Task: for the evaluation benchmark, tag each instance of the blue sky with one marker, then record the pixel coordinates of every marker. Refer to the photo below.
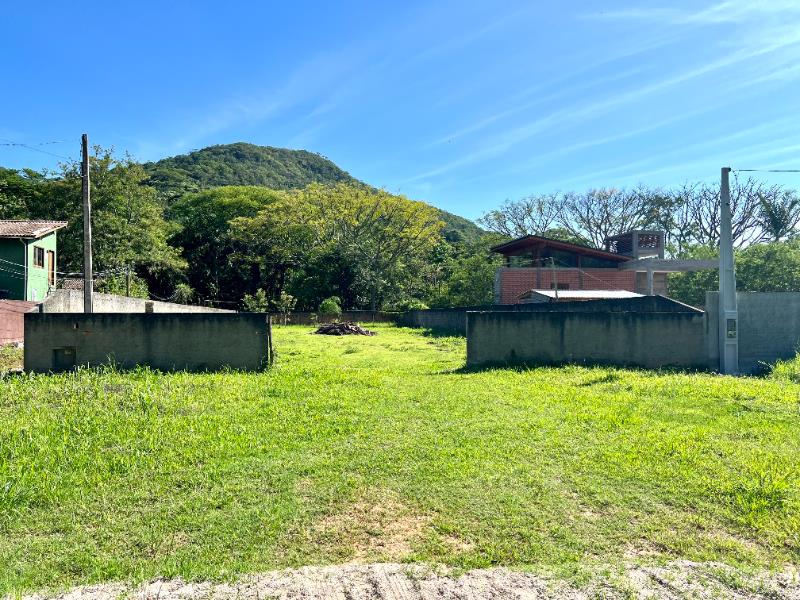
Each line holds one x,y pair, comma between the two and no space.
461,104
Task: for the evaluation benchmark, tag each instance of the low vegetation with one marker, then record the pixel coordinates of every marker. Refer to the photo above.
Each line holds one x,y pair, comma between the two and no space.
386,448
10,358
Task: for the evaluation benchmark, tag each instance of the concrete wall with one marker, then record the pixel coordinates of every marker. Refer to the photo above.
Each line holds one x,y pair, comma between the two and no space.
769,328
12,318
454,320
643,339
161,341
71,301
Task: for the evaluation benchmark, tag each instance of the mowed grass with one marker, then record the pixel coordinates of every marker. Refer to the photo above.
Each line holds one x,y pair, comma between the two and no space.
385,448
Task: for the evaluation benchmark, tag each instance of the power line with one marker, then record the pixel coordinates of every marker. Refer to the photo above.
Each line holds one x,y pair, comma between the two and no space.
766,170
34,148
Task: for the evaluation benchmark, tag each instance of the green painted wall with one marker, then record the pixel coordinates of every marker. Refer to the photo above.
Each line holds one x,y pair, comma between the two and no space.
37,276
12,268
12,259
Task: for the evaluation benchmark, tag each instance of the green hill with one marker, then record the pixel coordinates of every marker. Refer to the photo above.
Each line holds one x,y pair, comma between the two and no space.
275,168
243,164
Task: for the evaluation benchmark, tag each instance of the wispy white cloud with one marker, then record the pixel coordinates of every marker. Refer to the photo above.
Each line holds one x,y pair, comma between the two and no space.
783,39
720,150
542,99
729,11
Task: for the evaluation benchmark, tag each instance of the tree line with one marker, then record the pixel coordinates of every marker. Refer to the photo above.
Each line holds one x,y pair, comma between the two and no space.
249,246
765,221
689,214
277,249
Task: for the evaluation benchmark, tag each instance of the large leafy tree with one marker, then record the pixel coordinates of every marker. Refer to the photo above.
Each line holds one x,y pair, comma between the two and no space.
130,232
465,274
384,237
220,266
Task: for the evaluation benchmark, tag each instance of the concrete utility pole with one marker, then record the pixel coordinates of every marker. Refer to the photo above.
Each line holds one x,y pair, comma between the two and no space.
555,276
88,287
728,312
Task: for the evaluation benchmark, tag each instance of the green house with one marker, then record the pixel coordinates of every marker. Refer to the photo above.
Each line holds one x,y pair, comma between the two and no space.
28,259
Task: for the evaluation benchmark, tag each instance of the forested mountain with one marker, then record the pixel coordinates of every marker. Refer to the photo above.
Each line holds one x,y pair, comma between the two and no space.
243,164
275,168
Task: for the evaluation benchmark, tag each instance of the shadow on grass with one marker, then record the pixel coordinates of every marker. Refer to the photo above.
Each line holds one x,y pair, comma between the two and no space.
614,376
442,333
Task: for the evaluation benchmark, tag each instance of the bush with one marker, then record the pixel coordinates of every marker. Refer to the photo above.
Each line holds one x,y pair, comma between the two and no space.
183,293
257,302
407,304
118,285
330,307
787,370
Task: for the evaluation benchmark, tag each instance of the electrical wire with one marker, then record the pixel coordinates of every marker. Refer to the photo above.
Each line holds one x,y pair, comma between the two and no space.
766,170
34,148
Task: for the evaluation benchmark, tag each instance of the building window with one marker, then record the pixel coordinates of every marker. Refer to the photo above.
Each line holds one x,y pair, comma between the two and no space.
38,257
561,286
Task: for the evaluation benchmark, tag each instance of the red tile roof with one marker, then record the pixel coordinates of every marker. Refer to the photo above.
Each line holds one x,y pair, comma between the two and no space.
29,229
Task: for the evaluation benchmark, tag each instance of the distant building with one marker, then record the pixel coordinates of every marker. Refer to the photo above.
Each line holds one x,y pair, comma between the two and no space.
631,262
28,256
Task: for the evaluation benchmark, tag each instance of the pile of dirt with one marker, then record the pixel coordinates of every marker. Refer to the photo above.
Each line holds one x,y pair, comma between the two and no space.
343,329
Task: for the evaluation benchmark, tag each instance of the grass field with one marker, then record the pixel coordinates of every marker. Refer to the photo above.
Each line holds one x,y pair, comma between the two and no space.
385,448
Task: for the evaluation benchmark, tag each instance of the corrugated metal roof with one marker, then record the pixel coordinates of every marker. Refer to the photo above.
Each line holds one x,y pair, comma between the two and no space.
29,229
577,295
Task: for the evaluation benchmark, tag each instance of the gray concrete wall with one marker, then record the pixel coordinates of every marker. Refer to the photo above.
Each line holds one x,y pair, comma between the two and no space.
454,320
71,301
162,341
769,328
643,339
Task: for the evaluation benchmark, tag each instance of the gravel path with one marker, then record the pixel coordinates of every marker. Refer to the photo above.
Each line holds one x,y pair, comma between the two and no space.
681,579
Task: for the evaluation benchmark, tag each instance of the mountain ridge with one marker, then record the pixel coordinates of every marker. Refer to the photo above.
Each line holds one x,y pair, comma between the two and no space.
243,163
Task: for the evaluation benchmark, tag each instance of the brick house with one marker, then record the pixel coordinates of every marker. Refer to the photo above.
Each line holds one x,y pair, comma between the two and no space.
632,262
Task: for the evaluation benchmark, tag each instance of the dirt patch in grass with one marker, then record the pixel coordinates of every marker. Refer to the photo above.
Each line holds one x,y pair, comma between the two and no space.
376,526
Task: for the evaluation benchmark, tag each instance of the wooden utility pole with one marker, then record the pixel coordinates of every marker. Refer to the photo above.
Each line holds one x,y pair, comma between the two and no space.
88,287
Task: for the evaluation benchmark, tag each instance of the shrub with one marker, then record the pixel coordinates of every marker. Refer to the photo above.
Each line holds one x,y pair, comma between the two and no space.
330,307
407,304
183,293
787,370
257,302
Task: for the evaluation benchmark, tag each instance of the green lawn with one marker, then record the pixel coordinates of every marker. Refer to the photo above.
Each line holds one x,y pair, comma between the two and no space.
384,448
